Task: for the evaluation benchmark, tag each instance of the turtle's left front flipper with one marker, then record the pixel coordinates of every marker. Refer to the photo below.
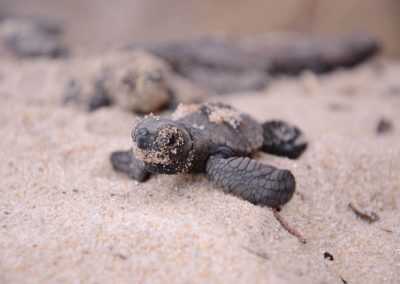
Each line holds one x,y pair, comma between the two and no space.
251,180
100,97
126,162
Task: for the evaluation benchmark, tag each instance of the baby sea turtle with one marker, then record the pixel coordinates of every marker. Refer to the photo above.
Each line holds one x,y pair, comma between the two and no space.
216,139
136,81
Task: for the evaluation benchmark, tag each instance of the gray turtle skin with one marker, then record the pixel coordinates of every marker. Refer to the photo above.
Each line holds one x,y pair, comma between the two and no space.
215,139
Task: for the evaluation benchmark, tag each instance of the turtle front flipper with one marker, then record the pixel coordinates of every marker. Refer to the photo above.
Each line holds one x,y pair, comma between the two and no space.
283,139
125,161
97,101
251,180
100,97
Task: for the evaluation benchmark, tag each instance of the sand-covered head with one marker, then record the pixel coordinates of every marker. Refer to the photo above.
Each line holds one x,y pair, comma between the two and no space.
164,145
141,86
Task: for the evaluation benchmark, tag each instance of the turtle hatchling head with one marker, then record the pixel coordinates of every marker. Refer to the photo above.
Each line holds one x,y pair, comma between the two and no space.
143,90
164,145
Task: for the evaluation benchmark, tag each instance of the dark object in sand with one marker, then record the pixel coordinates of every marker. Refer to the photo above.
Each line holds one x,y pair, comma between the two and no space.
230,65
369,217
288,228
216,139
27,38
328,256
257,253
384,126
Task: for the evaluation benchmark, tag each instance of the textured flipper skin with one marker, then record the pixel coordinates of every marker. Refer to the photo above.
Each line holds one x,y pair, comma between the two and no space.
251,180
125,161
283,139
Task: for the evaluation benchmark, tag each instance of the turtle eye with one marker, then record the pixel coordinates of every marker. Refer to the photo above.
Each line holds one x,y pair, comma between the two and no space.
129,81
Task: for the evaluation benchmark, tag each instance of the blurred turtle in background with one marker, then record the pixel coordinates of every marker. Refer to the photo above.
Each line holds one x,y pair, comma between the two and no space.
135,81
227,65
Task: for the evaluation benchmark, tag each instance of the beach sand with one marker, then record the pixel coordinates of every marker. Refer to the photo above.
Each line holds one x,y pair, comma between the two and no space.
67,217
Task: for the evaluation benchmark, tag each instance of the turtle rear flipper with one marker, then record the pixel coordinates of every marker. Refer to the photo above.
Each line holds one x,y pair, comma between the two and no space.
126,162
251,180
283,139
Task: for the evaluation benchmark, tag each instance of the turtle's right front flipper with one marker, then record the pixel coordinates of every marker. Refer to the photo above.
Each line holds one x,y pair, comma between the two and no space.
251,180
125,161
